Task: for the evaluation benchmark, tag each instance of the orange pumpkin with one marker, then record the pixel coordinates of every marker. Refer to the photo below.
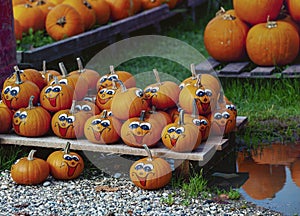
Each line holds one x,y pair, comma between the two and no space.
102,11
30,170
32,121
159,116
264,46
105,95
65,165
48,74
44,6
138,130
18,30
293,7
225,38
63,21
150,173
87,107
181,136
5,118
16,95
162,95
121,9
128,103
257,11
148,4
69,124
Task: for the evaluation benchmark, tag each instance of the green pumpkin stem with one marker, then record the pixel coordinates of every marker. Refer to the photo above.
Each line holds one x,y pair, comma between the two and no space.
157,78
30,155
150,158
18,75
104,114
67,148
181,117
80,66
72,109
63,69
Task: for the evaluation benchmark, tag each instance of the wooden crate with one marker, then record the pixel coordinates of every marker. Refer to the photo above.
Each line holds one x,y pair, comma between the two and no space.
247,69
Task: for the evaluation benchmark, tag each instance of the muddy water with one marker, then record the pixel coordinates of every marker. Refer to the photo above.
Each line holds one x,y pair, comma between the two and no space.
274,177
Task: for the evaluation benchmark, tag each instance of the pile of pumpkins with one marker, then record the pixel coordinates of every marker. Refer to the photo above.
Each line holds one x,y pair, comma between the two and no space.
66,18
266,32
181,116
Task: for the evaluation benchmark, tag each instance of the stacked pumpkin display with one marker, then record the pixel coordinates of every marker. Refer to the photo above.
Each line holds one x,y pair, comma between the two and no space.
268,37
66,18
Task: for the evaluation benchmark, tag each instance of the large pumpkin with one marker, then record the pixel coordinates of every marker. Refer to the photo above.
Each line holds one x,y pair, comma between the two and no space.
265,47
65,165
5,118
63,21
32,121
150,173
225,37
30,170
162,95
257,11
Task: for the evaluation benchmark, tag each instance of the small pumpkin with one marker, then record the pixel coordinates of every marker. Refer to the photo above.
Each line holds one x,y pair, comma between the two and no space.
48,74
69,124
5,118
181,136
65,165
16,95
102,128
30,170
87,107
121,9
138,130
63,21
162,95
128,103
55,97
105,95
102,11
32,121
150,173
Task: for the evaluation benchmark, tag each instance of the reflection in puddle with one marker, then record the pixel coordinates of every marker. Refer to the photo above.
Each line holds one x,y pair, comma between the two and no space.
274,176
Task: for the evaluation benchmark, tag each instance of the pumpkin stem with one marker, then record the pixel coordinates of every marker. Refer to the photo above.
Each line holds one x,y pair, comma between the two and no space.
67,148
221,97
44,67
30,155
87,4
30,102
228,17
142,115
221,11
123,87
112,69
104,114
62,69
193,70
150,158
198,82
152,1
114,86
61,21
271,24
18,75
195,109
55,80
181,117
80,66
157,78
72,109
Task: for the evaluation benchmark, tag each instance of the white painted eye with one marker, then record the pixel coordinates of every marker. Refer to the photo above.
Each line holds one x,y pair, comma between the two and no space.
134,125
14,91
181,86
110,92
217,116
139,166
7,89
78,107
200,92
145,126
208,92
56,88
139,93
71,119
180,130
197,122
171,129
103,79
154,90
86,107
105,123
96,121
113,77
226,115
148,167
23,115
63,117
147,90
63,81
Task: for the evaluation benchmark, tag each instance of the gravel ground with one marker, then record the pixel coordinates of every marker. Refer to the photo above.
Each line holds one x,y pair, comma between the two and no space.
101,194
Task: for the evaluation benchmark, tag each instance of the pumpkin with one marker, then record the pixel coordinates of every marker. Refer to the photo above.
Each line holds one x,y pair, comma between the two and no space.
68,124
162,95
159,116
55,97
30,170
16,95
138,130
29,17
264,43
17,2
150,173
181,136
87,108
44,6
85,10
91,76
102,129
223,102
65,165
128,103
48,74
105,95
148,4
5,118
106,80
32,121
102,11
63,21
173,112
206,99
293,7
121,9
18,30
257,11
56,2
225,38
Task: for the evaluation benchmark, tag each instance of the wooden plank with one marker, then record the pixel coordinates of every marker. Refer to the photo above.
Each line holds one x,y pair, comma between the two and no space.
207,66
234,68
262,71
292,71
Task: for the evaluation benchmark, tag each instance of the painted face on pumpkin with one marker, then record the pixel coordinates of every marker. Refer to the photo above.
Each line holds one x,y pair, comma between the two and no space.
151,92
64,123
203,126
174,134
139,130
107,80
72,162
51,94
143,171
89,99
9,94
104,96
98,126
232,108
19,119
223,120
203,98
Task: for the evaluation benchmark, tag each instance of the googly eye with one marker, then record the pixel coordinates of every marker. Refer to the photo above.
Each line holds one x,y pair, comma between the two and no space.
180,130
139,93
96,122
134,125
62,117
217,116
200,93
148,167
171,129
105,123
139,166
145,126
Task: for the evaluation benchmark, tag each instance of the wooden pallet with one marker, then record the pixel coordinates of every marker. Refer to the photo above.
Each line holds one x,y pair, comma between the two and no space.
247,70
202,154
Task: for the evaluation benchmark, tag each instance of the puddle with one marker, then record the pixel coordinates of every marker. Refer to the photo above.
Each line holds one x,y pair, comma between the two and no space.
274,177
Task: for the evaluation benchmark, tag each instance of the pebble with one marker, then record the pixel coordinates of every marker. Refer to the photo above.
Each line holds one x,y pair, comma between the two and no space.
80,197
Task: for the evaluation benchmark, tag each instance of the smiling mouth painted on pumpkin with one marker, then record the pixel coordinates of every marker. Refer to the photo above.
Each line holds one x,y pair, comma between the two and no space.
138,139
97,133
71,170
63,131
17,128
143,180
104,101
52,101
